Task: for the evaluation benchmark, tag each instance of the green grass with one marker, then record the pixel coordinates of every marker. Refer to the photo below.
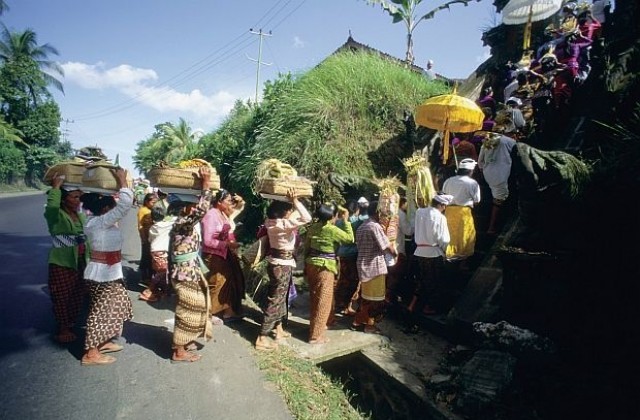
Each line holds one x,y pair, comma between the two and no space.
308,392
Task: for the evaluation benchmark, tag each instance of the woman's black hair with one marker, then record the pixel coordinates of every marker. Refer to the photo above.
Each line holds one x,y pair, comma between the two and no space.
158,213
148,197
96,203
373,209
278,209
220,195
176,207
326,212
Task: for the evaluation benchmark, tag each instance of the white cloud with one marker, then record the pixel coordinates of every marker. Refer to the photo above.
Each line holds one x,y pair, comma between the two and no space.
135,83
298,42
96,76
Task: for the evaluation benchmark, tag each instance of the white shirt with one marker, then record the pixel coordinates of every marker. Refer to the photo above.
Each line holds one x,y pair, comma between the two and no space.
103,234
431,229
159,235
495,163
464,189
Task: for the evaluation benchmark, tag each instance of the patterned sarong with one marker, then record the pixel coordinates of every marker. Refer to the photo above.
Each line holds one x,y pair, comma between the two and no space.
462,231
275,307
110,308
321,293
192,318
226,282
67,290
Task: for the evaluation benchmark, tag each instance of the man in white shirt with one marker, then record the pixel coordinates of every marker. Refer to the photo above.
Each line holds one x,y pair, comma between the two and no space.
466,194
432,238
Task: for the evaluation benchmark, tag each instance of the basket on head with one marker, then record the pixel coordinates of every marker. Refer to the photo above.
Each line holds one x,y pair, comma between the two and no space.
186,177
280,186
72,172
101,175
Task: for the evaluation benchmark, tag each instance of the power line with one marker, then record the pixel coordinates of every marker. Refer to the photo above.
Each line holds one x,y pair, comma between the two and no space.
259,60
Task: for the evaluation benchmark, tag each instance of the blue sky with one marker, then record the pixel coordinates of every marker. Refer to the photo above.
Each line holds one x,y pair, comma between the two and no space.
132,64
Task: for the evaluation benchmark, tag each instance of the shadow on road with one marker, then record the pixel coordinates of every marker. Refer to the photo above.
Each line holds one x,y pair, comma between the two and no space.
151,337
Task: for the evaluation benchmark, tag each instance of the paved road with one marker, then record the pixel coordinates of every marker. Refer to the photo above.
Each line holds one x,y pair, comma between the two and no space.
42,380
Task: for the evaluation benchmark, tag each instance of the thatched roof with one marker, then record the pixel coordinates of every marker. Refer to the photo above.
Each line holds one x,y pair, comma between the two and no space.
353,45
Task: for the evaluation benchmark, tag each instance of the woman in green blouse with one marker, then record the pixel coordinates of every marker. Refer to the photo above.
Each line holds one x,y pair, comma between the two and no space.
321,242
67,258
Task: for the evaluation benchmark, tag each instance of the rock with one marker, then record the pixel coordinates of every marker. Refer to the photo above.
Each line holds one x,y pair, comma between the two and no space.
482,381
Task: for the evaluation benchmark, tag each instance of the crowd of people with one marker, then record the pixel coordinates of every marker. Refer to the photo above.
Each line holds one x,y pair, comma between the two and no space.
189,250
537,90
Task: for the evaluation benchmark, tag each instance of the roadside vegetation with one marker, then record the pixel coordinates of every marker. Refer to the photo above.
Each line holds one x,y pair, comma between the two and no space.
309,393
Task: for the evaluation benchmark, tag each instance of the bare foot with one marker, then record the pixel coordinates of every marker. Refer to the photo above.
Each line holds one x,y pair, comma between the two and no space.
263,343
185,357
321,340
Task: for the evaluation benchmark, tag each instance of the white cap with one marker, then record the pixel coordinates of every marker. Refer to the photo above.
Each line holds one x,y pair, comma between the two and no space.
430,62
445,199
363,200
467,164
517,101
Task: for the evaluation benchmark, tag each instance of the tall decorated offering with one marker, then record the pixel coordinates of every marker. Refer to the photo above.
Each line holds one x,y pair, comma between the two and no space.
388,208
420,188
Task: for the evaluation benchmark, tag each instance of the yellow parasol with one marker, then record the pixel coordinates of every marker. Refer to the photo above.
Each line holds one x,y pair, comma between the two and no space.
447,113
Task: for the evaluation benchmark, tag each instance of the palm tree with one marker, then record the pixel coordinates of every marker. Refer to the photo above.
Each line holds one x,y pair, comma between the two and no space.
16,46
179,139
406,11
10,133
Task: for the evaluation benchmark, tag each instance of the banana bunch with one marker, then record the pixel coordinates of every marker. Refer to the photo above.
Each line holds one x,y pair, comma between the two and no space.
193,163
273,168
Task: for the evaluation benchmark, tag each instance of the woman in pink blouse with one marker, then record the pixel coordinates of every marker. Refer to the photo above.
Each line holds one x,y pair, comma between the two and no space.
226,281
282,225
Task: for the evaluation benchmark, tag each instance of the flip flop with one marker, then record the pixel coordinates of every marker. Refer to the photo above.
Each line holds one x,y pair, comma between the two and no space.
103,360
323,340
193,357
111,348
216,320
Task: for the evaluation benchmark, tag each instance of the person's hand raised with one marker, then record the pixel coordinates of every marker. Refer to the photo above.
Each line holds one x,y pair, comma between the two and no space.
57,180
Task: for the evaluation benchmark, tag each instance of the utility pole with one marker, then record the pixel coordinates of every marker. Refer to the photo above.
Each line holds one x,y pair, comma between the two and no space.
259,60
66,131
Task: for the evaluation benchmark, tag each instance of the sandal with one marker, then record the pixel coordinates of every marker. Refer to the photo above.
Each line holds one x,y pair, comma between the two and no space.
216,320
357,327
189,358
110,348
102,360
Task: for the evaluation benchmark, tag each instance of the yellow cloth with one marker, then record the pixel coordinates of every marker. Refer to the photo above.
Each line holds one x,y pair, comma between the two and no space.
462,232
374,289
144,223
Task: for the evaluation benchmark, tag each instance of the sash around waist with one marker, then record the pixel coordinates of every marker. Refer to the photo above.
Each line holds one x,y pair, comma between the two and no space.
280,254
314,253
106,257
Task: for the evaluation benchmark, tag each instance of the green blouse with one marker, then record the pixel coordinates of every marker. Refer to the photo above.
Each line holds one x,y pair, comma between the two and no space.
325,238
60,223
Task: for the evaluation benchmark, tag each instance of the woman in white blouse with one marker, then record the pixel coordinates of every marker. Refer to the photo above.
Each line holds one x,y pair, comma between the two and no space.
110,304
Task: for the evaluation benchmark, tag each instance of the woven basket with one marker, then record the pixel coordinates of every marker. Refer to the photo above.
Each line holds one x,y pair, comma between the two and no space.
102,175
188,178
280,186
72,172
